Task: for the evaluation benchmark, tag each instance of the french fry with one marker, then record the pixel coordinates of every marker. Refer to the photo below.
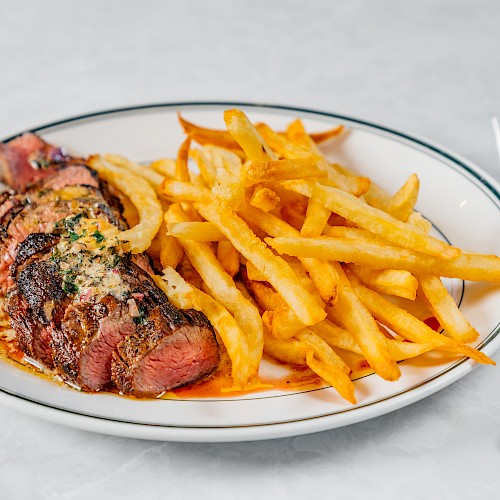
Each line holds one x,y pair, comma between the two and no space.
441,304
264,198
469,266
409,327
143,197
206,167
397,282
247,136
185,296
181,163
380,223
401,205
171,252
229,257
143,171
275,269
203,136
197,231
322,273
279,170
281,145
222,288
164,166
317,217
350,313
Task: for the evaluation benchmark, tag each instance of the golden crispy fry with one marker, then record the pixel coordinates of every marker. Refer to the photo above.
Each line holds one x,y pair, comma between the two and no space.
409,327
401,205
297,134
280,144
228,183
185,191
203,136
247,136
164,166
143,171
333,376
355,317
229,257
253,273
338,337
205,166
417,220
336,175
264,198
380,223
143,197
283,322
222,288
396,282
321,137
171,252
317,217
322,273
469,266
197,231
279,170
185,296
444,308
288,351
274,268
181,164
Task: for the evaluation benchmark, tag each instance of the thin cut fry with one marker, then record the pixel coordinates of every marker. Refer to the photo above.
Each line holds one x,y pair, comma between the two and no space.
275,269
322,273
396,282
229,257
445,309
197,231
353,315
203,136
380,223
411,328
247,136
181,164
142,195
469,266
265,199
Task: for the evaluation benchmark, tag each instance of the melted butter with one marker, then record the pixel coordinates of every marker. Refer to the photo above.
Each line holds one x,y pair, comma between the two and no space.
87,256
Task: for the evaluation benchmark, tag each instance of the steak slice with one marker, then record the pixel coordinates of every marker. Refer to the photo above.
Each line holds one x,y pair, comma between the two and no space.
151,362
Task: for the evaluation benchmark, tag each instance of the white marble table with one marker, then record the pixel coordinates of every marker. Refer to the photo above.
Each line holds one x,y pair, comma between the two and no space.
429,68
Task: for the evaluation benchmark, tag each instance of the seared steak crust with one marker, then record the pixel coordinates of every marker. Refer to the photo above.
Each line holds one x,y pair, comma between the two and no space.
79,304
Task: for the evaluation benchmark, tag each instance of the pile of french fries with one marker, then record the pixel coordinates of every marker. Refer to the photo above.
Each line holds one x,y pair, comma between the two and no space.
290,255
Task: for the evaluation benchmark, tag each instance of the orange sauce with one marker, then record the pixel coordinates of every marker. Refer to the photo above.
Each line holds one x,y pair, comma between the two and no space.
219,385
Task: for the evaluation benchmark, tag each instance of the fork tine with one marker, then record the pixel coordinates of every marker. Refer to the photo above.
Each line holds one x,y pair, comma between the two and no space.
496,131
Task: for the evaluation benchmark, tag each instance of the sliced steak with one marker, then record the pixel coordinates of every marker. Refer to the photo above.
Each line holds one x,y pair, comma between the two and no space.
152,361
76,301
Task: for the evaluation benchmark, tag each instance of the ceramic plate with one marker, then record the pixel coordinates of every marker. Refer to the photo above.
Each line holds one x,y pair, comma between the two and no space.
462,202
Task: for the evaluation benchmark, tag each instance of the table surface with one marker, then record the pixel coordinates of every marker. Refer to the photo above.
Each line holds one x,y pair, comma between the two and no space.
428,68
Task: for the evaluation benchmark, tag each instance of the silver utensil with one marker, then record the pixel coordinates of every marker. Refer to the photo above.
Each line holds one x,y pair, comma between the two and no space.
496,132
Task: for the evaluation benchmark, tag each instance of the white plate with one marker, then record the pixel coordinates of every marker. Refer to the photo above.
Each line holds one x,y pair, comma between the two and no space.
461,200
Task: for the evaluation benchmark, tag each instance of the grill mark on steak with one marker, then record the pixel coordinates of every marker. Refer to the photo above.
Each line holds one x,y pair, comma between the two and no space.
95,315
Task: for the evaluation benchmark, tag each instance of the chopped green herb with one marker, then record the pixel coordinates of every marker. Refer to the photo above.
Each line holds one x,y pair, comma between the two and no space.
70,287
73,236
99,237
